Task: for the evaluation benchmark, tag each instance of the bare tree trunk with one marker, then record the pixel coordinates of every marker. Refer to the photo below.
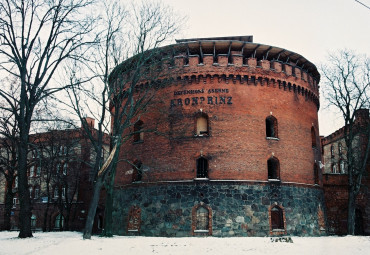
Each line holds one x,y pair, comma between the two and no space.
23,191
351,211
92,208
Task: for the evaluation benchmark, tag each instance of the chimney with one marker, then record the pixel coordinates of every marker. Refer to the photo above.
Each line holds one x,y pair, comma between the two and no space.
90,122
362,116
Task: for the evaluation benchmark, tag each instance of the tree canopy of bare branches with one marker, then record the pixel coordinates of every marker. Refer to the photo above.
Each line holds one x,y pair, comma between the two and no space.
36,37
346,86
126,31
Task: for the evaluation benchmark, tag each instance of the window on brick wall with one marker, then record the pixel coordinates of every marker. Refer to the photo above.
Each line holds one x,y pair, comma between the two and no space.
332,151
37,192
316,173
340,149
59,221
202,125
33,221
138,131
271,127
31,191
273,168
277,218
334,168
342,166
202,167
137,173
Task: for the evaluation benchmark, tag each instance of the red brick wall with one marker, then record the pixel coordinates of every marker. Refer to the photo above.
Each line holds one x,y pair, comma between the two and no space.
237,147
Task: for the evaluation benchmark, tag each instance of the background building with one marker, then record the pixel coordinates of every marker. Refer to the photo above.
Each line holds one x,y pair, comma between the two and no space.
60,181
336,179
238,152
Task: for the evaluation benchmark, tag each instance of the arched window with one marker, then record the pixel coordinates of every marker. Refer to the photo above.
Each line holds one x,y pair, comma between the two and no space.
332,151
134,219
202,219
313,137
273,167
33,221
202,167
36,192
202,215
138,131
334,169
31,191
137,173
59,221
271,127
340,149
277,218
341,166
202,125
316,173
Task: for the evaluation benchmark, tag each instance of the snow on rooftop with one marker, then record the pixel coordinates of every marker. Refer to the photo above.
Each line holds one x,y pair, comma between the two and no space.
71,243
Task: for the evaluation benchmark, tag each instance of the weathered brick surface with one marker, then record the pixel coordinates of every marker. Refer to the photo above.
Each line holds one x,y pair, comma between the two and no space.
237,93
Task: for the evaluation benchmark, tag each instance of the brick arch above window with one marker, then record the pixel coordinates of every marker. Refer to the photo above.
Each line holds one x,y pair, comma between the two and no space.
201,219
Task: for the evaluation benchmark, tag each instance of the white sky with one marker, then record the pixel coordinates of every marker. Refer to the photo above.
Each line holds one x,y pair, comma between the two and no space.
310,28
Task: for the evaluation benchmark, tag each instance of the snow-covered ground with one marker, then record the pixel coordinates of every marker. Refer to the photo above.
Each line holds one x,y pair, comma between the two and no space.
70,243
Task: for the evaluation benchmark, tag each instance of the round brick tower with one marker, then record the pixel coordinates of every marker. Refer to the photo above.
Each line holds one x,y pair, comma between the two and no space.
235,151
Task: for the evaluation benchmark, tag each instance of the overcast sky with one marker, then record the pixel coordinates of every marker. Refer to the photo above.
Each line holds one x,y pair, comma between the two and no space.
311,28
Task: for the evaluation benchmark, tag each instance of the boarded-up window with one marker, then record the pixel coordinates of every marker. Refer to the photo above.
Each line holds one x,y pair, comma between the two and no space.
134,219
202,125
277,220
202,218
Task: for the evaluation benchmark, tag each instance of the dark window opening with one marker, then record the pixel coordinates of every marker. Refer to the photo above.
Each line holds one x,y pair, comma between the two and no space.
202,168
138,133
271,127
273,168
202,219
340,149
316,173
313,137
277,220
137,172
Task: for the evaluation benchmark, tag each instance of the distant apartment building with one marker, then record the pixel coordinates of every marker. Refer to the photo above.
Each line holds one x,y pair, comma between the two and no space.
60,181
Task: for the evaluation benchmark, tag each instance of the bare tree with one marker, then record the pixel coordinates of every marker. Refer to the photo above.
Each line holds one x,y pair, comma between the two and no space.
136,31
36,37
346,86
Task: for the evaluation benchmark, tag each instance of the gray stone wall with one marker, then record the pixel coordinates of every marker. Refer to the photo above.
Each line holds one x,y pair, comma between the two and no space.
238,209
